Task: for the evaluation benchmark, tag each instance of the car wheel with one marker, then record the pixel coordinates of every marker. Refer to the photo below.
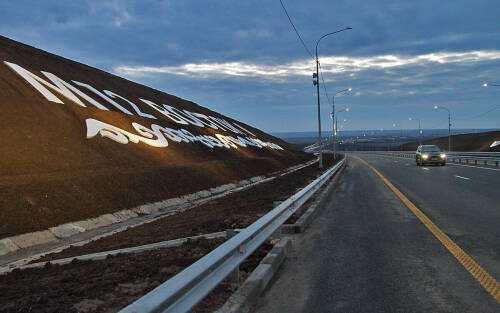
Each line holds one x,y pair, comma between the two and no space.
443,164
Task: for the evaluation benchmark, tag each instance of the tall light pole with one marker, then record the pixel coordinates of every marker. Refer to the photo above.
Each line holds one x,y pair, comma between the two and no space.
419,129
449,124
333,118
400,141
316,82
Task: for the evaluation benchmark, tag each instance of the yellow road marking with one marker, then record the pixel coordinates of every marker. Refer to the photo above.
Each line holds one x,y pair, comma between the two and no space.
489,283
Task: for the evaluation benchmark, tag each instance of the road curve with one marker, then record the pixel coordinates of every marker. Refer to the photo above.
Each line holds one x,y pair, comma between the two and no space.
368,252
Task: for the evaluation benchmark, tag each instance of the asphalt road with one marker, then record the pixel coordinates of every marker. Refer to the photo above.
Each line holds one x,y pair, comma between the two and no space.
368,252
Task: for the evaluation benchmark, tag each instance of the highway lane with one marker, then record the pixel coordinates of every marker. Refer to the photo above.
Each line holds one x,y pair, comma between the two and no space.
367,252
463,201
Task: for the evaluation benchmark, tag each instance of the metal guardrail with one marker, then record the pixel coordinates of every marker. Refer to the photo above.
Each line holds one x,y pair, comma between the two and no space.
183,291
486,158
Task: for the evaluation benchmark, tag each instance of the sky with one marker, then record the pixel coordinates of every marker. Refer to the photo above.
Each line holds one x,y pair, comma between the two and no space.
244,60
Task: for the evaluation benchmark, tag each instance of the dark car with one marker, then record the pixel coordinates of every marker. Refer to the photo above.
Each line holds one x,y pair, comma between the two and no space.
430,154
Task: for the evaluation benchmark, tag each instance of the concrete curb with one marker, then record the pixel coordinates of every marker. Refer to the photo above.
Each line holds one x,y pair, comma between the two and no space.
247,295
7,246
305,220
30,239
138,249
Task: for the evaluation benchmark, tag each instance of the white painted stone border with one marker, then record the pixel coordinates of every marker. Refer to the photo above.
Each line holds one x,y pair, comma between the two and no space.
56,233
138,249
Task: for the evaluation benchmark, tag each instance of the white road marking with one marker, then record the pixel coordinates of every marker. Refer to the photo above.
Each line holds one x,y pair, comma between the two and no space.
425,168
461,177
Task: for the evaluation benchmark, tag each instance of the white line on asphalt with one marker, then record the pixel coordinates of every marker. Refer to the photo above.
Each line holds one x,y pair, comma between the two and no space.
461,177
425,168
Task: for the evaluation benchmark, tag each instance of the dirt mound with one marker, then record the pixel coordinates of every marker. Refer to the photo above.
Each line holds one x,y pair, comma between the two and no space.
78,142
473,142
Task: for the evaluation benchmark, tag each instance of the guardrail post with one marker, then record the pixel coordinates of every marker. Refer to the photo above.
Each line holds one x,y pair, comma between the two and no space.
234,276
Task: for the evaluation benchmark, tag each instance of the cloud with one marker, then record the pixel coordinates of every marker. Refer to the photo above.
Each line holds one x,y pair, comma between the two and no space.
329,64
112,11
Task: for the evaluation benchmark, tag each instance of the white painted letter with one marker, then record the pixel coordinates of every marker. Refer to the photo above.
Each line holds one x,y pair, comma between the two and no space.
60,86
165,112
100,94
133,105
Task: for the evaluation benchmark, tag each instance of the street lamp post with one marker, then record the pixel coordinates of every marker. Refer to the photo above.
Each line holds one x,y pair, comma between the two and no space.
316,82
400,141
335,131
419,129
333,119
449,124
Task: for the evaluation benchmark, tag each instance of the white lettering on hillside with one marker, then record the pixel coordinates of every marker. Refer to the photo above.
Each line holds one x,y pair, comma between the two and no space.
100,94
157,135
133,105
162,110
61,87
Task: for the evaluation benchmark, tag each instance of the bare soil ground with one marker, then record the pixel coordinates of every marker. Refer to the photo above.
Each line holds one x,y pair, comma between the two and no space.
50,173
111,284
237,210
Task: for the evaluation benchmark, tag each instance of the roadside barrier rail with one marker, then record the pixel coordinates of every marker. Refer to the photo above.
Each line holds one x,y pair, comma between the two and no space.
183,291
485,158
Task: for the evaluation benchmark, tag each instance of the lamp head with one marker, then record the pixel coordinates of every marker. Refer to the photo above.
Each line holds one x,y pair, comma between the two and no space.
485,85
347,109
435,107
393,124
349,89
409,118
